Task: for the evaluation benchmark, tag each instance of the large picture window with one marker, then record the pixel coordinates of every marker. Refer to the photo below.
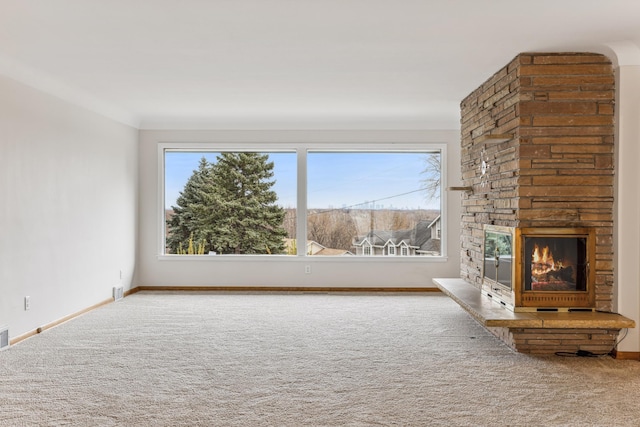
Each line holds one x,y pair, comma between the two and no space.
241,203
371,203
301,201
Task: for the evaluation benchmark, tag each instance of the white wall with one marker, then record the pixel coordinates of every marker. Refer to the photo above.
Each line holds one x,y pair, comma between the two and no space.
68,191
288,271
627,213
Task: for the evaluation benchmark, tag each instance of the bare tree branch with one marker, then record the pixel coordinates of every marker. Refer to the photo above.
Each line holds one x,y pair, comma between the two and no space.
432,176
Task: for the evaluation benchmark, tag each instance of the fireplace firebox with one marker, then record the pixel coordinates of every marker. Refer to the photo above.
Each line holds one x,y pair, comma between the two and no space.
539,269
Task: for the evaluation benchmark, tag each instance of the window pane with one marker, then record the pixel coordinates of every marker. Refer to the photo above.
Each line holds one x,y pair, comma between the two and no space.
220,203
363,203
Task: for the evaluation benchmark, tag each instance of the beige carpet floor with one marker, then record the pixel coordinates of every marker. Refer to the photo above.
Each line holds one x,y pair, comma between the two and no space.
226,359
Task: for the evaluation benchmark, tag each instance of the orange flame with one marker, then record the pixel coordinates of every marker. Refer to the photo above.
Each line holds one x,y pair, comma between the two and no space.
542,261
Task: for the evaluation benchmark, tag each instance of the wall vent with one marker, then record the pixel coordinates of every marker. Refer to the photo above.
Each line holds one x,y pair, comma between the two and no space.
118,293
4,337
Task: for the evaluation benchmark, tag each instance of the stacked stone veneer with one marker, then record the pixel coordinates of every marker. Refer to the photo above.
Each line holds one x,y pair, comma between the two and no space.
549,341
556,171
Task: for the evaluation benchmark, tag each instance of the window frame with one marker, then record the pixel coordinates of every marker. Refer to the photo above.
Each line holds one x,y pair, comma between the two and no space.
367,250
391,249
301,150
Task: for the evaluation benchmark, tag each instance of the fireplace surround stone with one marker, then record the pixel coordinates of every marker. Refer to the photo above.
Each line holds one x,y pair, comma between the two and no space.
537,151
556,170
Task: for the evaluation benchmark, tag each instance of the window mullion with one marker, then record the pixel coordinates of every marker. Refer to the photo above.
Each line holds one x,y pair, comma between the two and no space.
301,211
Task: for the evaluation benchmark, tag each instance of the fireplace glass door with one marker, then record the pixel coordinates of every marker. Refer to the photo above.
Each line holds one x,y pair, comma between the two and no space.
556,267
555,264
498,257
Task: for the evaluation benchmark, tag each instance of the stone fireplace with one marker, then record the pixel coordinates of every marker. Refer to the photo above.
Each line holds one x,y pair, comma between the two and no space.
537,149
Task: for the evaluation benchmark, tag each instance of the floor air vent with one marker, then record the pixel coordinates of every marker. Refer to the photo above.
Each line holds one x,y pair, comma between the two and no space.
4,337
118,293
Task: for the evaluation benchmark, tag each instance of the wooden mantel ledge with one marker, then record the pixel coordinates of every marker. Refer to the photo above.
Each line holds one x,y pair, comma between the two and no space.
491,314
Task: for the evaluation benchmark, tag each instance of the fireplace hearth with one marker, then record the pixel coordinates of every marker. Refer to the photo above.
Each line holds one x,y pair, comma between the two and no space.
539,269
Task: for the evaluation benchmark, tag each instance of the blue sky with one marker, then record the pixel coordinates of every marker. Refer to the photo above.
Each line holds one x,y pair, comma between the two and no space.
334,180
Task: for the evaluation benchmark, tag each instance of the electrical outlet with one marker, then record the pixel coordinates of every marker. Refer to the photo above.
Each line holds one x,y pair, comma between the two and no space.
307,269
27,303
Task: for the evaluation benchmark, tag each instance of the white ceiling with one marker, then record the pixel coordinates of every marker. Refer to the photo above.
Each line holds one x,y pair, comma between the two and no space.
289,64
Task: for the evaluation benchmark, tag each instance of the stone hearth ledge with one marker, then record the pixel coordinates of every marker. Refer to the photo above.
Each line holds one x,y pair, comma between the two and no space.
491,314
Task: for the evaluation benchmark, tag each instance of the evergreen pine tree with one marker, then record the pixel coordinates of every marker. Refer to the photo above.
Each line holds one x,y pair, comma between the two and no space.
185,224
244,217
229,205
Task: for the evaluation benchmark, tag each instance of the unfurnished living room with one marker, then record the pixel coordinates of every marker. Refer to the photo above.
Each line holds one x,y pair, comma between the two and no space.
323,213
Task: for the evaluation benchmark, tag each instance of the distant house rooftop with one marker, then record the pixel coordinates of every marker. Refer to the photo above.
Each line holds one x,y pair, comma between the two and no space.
315,248
423,239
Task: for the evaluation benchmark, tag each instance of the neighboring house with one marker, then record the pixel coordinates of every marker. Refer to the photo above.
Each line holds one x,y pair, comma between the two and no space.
321,250
314,248
431,246
422,240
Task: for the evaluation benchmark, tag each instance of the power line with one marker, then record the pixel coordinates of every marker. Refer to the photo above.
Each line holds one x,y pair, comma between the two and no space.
372,201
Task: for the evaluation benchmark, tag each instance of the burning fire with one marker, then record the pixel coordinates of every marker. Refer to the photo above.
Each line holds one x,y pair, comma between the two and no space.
542,261
549,274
